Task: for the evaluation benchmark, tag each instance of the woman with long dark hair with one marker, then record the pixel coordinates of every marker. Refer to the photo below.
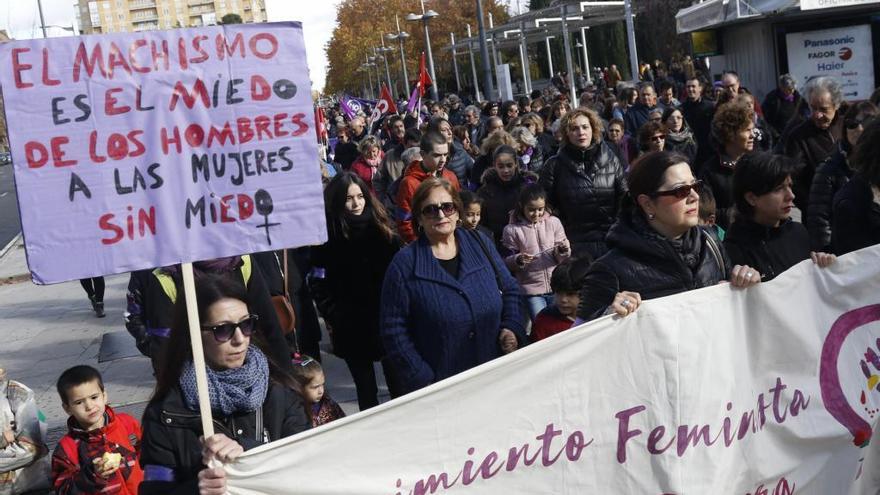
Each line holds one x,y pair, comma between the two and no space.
347,279
656,247
252,401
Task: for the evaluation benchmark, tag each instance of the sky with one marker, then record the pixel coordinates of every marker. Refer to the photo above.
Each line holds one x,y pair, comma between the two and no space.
318,18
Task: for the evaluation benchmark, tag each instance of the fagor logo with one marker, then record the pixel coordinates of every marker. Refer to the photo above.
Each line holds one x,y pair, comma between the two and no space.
845,53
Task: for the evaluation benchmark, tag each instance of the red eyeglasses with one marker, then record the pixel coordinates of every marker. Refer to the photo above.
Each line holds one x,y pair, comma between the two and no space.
682,192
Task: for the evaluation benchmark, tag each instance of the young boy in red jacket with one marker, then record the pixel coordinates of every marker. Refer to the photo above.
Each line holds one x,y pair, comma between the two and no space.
565,281
99,454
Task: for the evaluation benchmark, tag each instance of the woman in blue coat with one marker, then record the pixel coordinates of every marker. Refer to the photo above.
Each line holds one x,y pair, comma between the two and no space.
448,301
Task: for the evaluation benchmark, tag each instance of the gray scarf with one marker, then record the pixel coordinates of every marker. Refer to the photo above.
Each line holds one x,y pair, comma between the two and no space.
241,389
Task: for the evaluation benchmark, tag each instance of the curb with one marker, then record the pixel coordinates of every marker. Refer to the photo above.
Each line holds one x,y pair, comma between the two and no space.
9,245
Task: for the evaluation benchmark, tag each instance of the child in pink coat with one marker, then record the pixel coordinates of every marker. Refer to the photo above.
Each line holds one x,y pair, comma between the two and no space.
537,243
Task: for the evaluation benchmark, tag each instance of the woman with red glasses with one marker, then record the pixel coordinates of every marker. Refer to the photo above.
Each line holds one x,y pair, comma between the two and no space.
656,246
252,398
448,301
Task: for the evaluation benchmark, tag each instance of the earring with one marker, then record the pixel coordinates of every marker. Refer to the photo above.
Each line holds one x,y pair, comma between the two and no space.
651,216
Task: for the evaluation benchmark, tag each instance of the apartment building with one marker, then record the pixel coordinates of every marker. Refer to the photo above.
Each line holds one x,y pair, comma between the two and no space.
112,16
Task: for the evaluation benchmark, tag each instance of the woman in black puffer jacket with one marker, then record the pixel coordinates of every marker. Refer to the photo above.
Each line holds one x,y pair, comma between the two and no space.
657,249
584,182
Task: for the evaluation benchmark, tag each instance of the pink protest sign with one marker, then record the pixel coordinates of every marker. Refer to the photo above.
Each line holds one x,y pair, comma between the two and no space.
147,149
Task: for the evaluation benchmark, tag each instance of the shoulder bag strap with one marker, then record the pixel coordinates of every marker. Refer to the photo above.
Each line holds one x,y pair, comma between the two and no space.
716,253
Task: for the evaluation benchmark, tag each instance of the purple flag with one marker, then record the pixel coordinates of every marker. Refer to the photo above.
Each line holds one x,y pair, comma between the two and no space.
413,99
343,105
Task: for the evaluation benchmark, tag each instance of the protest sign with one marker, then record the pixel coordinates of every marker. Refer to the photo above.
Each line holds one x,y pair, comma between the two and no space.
772,390
148,149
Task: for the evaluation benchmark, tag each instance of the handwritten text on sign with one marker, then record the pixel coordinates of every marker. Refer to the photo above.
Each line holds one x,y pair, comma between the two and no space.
140,150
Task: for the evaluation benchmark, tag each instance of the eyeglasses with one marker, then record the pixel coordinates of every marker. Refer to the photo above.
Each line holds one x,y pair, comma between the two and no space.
224,331
658,137
433,211
855,123
682,192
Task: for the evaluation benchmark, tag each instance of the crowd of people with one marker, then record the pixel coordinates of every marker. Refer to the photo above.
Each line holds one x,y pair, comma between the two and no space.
463,231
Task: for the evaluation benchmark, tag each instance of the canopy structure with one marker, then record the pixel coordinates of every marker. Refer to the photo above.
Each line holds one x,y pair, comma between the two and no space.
541,25
712,14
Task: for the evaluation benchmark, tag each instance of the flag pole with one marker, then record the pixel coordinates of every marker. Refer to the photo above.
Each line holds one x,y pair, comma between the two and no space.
195,335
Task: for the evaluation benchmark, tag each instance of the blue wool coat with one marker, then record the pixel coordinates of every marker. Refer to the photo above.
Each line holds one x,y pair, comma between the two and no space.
434,326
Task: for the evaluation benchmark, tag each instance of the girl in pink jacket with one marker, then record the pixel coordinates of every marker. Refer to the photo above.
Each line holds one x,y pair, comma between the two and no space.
537,243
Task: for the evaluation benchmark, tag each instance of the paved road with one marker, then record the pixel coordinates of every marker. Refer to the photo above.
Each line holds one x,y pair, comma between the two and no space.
10,225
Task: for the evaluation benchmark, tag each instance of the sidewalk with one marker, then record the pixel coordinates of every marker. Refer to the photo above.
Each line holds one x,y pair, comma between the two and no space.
48,329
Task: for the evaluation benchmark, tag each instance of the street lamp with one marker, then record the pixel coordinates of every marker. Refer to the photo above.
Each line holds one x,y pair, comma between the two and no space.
374,62
426,16
384,50
401,36
578,45
71,29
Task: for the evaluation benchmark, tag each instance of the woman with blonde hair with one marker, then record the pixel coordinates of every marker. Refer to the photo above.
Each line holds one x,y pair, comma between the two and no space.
584,182
366,166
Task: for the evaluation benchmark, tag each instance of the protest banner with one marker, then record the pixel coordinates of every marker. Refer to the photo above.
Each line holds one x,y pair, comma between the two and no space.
772,390
148,149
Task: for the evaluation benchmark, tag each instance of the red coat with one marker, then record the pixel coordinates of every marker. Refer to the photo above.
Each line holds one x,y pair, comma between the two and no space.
365,171
72,468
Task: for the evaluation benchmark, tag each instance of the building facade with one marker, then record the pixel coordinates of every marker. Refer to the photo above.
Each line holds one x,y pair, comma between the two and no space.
113,16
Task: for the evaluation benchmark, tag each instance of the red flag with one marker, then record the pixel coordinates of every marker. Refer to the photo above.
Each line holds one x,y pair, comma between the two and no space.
320,124
384,105
386,95
424,78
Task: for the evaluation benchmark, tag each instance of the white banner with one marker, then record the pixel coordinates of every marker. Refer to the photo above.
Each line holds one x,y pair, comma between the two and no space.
846,53
770,390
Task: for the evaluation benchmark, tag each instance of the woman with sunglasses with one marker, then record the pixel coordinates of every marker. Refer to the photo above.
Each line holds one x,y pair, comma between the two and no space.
764,235
652,137
733,129
834,173
346,279
448,301
252,398
656,246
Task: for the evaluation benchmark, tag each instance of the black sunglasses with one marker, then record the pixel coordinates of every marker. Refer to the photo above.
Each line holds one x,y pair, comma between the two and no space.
224,331
433,211
682,192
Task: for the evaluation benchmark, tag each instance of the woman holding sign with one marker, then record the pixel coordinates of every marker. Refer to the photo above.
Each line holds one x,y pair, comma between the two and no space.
252,401
656,247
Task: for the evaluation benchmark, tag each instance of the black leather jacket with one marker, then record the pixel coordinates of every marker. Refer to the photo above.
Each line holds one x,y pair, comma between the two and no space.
585,188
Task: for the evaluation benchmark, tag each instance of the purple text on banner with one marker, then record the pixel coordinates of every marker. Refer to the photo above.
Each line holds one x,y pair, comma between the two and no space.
147,149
